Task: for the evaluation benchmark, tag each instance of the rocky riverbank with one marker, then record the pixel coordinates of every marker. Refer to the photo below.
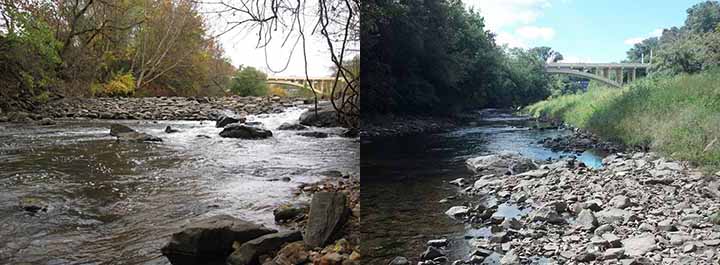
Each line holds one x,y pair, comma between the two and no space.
152,108
325,232
639,208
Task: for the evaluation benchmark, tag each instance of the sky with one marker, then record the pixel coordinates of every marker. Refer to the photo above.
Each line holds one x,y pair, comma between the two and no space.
279,58
591,31
241,47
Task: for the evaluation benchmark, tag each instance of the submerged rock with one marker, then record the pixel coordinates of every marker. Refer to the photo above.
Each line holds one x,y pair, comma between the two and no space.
210,239
399,261
245,132
292,127
328,212
170,130
117,129
33,205
314,134
125,133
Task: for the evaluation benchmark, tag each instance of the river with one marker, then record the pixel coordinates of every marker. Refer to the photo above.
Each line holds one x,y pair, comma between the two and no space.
115,202
404,178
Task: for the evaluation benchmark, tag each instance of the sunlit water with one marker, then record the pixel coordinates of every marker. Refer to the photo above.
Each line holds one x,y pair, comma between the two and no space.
117,203
404,178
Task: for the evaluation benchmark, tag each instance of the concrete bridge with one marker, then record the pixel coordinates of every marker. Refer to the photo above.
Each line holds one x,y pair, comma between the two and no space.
624,72
321,85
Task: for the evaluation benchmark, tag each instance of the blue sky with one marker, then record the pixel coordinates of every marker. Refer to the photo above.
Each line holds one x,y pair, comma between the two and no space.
582,30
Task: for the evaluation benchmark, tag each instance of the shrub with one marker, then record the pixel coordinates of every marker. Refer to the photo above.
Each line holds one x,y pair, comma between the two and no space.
121,85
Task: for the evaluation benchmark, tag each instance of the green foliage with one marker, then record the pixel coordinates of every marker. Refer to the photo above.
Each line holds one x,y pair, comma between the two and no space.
703,17
641,50
546,54
28,58
691,48
121,85
249,81
676,115
437,57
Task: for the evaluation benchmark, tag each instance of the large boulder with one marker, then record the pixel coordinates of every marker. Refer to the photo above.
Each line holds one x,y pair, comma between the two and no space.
211,239
249,251
245,132
506,162
225,120
325,117
328,212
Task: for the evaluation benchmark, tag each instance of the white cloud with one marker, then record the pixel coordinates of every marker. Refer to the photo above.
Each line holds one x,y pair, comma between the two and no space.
533,32
503,13
512,20
509,39
522,35
635,40
656,33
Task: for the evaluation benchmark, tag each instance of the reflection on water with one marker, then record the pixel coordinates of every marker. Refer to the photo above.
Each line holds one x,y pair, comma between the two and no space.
405,178
116,202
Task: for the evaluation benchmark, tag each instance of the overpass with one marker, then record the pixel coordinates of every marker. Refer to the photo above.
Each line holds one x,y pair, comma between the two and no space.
321,85
600,71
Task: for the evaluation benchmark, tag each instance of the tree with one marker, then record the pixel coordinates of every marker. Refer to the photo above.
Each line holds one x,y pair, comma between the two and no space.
546,54
249,81
641,50
703,17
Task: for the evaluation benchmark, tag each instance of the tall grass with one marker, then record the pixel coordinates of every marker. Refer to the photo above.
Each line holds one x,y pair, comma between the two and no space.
678,116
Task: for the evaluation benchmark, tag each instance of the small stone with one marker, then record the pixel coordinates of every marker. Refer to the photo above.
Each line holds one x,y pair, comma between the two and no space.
457,211
399,261
511,223
438,243
432,253
585,257
586,220
510,258
639,245
612,239
604,229
689,248
666,225
620,201
458,181
645,227
613,253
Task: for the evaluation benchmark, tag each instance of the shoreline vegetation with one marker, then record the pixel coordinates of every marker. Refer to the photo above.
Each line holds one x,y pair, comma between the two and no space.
674,115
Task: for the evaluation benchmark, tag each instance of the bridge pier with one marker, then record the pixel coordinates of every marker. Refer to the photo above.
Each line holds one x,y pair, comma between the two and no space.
633,74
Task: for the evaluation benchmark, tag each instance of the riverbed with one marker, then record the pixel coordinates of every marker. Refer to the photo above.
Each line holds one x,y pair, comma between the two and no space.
111,202
404,179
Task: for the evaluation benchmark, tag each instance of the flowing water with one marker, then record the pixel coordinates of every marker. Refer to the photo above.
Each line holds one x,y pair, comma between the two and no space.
115,202
404,178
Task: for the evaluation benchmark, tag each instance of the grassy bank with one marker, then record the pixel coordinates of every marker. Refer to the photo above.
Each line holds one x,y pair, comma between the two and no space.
678,116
